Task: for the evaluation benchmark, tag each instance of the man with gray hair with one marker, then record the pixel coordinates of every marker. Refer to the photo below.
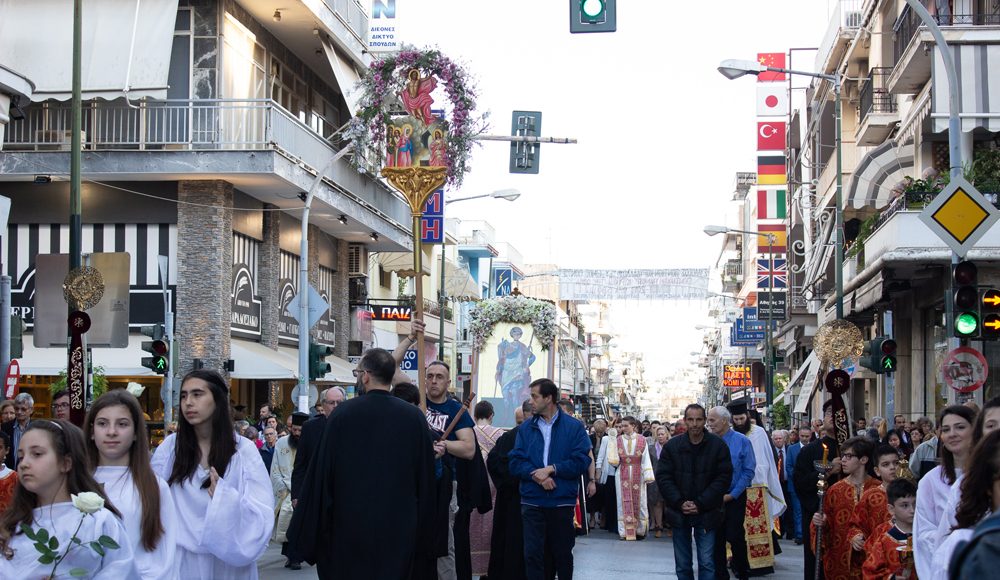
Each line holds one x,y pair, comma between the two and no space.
312,433
24,406
735,500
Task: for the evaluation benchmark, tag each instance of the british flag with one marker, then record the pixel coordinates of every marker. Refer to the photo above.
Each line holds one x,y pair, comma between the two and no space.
779,273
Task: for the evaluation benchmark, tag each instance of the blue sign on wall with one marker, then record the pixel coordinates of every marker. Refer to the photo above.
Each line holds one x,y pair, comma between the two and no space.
503,281
432,222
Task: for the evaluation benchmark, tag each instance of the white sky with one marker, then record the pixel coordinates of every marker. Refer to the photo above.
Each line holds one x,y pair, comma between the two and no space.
661,133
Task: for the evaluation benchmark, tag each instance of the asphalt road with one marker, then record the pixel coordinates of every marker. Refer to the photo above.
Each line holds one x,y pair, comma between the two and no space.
599,556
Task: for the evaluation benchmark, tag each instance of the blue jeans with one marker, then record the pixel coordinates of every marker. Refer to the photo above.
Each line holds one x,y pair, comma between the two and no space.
793,500
683,557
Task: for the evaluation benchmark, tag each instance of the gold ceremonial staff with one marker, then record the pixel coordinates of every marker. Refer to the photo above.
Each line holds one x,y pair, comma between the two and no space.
417,184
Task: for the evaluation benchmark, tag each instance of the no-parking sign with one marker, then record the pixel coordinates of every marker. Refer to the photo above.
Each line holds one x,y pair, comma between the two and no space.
965,369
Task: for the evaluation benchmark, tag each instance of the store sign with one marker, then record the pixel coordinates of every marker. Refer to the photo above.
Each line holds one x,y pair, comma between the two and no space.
391,312
246,305
736,376
326,328
288,327
775,303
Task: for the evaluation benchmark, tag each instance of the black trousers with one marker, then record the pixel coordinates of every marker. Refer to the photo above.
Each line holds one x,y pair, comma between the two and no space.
548,529
610,505
808,554
732,531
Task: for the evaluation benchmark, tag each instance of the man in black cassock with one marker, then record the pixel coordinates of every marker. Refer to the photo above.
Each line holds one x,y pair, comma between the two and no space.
507,541
367,494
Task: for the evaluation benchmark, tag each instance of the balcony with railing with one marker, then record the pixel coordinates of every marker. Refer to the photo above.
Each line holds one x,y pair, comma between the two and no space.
877,111
912,63
732,275
898,228
844,24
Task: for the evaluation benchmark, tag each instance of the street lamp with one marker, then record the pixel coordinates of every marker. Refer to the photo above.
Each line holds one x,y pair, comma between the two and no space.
505,194
768,354
734,69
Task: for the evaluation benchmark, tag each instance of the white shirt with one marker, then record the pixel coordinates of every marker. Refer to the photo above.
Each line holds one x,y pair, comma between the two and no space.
932,498
221,537
61,520
546,428
121,490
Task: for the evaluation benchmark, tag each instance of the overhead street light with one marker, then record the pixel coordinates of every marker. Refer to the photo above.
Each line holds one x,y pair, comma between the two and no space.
734,69
768,354
506,194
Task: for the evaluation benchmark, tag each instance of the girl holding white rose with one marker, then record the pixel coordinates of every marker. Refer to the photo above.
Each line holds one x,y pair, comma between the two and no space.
118,448
58,524
221,489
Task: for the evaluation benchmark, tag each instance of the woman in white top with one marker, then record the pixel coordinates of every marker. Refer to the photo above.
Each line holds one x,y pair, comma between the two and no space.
52,468
968,501
118,448
221,490
932,494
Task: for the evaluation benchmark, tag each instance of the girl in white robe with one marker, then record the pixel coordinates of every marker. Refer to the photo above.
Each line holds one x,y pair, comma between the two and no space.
221,490
117,444
52,469
935,487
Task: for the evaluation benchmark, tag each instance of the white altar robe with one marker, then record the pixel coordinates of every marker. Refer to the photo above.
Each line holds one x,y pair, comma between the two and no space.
121,490
647,476
61,520
932,501
766,472
221,537
281,484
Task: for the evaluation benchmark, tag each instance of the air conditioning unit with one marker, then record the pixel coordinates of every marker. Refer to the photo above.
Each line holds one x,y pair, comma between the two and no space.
357,260
357,290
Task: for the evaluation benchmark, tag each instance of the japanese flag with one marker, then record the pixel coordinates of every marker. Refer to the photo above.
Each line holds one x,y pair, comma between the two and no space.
772,100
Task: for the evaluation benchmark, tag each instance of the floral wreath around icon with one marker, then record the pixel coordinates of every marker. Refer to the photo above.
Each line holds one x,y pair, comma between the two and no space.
379,99
518,309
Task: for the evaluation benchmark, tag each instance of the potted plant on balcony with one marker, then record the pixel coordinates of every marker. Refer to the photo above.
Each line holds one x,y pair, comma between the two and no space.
984,172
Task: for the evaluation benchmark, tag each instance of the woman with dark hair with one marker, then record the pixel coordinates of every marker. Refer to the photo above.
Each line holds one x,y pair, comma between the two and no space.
977,500
893,439
225,505
118,450
52,480
932,495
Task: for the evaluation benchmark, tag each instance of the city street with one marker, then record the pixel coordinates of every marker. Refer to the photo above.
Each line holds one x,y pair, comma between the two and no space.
598,557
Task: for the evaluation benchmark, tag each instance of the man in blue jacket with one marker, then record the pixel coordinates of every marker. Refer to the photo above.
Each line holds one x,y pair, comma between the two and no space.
550,454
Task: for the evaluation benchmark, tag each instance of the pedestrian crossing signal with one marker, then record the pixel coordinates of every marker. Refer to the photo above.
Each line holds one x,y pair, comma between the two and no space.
318,367
159,348
879,355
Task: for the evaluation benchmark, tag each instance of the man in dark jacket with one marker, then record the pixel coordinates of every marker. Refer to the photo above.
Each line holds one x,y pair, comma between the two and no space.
693,474
550,454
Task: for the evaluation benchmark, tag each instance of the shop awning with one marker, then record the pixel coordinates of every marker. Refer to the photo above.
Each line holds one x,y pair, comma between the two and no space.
126,46
117,362
879,171
341,371
980,88
809,372
253,360
346,76
459,283
401,263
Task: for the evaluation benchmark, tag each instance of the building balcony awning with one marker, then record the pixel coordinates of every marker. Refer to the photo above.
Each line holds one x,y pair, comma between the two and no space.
879,171
809,373
253,360
980,88
117,362
347,77
402,263
126,46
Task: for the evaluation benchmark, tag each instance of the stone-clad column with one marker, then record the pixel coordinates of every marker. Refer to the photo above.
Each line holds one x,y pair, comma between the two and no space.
340,301
268,273
204,273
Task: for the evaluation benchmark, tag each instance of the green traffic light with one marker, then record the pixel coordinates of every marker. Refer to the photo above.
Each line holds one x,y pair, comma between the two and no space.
966,324
592,10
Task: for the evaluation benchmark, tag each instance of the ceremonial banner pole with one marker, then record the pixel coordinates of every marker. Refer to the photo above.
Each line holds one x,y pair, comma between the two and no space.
417,184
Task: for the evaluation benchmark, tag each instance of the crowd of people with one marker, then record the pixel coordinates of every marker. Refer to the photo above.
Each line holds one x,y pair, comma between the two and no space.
372,487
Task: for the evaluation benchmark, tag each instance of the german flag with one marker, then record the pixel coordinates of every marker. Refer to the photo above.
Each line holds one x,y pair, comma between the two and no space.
771,170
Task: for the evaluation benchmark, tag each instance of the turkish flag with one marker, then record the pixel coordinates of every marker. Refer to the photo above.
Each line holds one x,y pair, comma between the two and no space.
774,59
770,136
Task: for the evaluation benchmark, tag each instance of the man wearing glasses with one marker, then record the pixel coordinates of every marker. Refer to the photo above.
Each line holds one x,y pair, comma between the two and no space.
840,558
60,405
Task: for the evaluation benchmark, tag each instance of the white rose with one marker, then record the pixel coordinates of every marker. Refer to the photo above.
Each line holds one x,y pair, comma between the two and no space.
88,502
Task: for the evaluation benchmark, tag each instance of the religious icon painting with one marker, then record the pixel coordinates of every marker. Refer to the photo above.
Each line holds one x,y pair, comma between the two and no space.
411,143
511,359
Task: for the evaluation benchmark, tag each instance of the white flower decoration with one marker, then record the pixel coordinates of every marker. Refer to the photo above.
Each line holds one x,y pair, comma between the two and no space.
88,502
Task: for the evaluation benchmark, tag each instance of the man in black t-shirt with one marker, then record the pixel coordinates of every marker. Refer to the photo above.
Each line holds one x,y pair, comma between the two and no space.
460,444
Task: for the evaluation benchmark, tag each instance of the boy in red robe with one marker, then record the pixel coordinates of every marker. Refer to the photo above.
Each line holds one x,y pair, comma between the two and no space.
8,477
890,549
873,509
840,560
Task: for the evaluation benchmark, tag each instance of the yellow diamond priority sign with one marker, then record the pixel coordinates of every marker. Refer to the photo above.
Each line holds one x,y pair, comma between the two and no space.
959,215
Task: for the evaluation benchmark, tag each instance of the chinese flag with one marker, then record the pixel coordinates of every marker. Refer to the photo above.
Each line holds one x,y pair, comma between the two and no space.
775,59
770,136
